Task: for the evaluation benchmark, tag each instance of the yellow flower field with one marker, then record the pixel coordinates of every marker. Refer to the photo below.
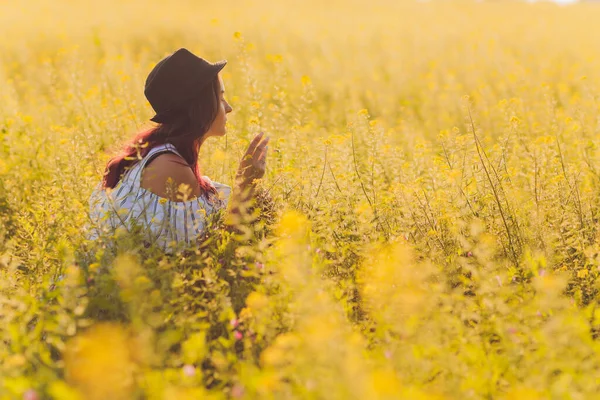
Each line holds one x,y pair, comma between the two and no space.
429,225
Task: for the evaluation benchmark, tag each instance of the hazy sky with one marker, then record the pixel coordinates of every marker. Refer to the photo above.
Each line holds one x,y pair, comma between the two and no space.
559,1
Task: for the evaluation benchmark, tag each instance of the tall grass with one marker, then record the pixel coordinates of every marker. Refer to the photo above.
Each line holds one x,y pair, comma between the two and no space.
427,226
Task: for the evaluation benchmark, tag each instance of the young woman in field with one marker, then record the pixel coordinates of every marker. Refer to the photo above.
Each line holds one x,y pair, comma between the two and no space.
155,181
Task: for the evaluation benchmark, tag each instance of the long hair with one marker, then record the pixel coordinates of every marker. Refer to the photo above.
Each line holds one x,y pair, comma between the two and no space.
184,131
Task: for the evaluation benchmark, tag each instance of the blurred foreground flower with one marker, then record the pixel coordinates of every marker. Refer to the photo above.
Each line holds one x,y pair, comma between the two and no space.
98,362
393,285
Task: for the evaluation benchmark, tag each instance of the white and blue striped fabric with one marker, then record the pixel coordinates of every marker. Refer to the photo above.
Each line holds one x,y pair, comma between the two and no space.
169,222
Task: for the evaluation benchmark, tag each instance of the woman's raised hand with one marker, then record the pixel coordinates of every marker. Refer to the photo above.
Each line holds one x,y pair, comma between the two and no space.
254,161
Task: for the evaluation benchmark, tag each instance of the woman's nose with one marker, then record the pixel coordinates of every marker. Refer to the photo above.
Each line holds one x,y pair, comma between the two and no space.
228,109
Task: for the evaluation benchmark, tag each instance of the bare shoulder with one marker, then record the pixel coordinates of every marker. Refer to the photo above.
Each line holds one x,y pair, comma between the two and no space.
165,173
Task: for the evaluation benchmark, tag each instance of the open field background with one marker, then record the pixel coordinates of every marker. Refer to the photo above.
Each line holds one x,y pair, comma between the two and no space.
433,224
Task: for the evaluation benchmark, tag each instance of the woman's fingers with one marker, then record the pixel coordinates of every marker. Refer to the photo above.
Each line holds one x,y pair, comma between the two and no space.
260,156
259,149
263,155
253,162
254,143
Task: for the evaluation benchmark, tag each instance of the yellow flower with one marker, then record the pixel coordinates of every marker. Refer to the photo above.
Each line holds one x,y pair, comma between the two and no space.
385,382
219,155
294,224
524,393
284,345
362,208
257,301
194,348
98,363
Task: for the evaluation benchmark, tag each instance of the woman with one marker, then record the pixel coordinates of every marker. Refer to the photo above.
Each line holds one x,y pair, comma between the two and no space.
155,181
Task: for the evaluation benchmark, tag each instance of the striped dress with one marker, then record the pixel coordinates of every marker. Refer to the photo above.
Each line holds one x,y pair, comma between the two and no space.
168,223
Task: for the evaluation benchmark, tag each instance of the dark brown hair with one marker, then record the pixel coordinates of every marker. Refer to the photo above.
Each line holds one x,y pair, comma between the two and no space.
185,131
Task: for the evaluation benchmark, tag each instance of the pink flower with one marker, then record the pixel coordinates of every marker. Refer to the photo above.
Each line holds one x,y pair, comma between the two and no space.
234,322
189,370
469,254
387,354
238,335
30,394
259,265
237,391
318,251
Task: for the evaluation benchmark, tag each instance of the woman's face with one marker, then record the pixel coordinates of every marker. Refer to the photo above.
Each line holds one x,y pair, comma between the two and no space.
218,126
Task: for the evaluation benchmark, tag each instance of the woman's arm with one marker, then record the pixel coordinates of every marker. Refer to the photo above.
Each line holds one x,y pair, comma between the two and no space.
252,167
239,202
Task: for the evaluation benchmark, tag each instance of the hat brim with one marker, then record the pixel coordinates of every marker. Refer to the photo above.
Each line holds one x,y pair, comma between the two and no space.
218,66
158,118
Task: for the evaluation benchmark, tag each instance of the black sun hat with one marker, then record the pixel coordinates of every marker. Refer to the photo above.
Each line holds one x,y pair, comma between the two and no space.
176,79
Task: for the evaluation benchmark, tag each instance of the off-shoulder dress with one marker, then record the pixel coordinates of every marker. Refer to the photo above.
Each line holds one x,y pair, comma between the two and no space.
167,223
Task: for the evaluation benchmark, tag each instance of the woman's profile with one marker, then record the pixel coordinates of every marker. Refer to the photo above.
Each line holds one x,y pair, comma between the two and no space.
155,181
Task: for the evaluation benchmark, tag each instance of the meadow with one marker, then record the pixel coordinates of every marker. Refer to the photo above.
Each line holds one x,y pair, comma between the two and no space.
427,226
